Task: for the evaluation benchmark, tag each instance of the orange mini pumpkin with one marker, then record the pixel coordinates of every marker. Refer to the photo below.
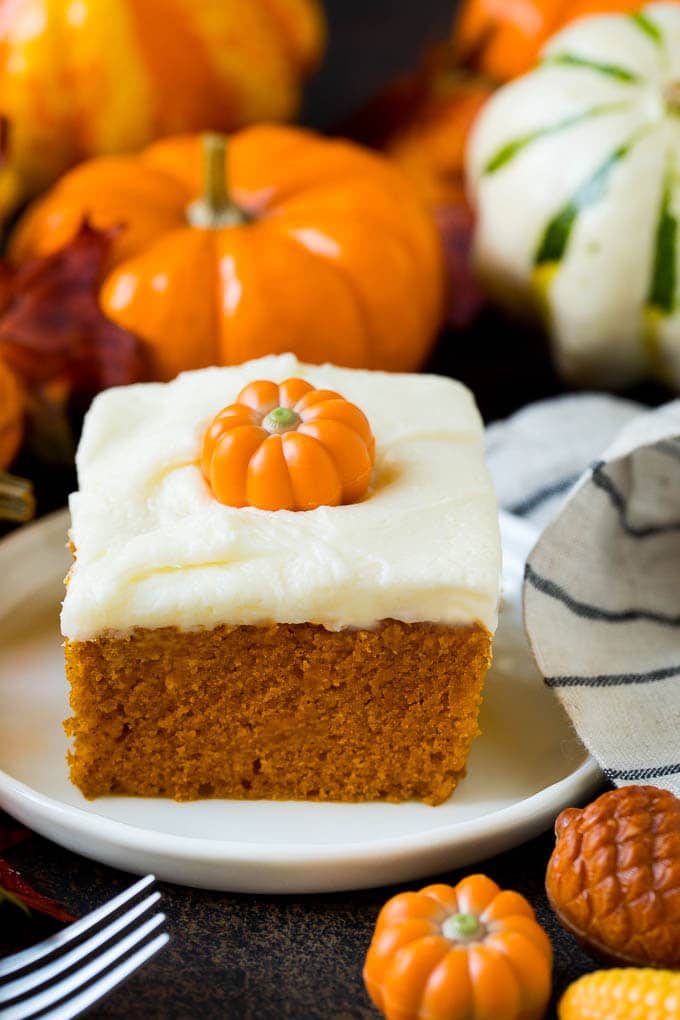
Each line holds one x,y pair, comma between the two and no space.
288,447
469,952
320,249
102,76
503,38
11,415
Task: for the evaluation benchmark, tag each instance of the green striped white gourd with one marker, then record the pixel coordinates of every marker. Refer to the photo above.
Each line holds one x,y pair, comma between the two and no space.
575,173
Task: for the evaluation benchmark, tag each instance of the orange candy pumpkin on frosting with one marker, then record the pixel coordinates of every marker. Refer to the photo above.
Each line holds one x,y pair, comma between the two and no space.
288,447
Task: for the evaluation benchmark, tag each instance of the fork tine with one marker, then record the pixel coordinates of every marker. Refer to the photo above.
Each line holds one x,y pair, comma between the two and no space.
53,994
34,978
107,982
18,961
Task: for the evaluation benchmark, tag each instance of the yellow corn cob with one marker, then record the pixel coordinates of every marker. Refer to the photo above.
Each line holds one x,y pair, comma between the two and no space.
625,994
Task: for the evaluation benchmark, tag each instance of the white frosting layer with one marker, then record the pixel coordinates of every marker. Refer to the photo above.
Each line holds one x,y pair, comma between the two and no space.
155,549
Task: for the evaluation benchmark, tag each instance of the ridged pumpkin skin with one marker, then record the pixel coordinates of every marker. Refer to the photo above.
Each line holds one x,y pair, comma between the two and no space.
103,76
417,968
288,447
339,262
11,415
573,173
503,39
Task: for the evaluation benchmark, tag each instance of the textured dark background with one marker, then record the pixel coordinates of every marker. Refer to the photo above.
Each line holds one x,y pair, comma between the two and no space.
237,956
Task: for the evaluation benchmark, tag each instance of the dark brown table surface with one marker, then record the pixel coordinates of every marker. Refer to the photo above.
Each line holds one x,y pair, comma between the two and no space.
244,956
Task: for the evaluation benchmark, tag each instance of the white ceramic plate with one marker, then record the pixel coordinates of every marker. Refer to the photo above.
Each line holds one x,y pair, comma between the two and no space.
526,766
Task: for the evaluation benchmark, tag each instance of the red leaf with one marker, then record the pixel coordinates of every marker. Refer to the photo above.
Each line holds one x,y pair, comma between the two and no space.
52,326
456,223
12,882
11,837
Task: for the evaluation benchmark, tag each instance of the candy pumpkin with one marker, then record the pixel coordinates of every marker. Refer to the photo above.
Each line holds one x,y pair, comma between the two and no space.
11,415
573,170
469,952
288,447
101,76
503,38
320,248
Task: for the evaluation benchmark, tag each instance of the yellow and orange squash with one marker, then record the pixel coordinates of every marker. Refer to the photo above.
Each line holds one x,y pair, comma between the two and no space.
319,248
468,952
102,76
288,447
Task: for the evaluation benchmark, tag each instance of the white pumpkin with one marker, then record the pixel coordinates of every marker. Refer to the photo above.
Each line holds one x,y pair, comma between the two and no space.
575,173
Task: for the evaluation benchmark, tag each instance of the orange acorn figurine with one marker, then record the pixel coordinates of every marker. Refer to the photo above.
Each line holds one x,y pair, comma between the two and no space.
614,876
465,952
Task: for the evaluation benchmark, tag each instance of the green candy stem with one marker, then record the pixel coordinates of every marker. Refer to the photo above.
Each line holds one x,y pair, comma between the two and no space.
463,928
215,208
281,419
673,96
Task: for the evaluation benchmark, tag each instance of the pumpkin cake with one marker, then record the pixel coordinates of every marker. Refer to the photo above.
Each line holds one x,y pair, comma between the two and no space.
292,597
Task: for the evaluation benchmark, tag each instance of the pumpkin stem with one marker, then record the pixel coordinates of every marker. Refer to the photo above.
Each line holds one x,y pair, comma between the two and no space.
463,928
215,209
17,502
281,419
673,96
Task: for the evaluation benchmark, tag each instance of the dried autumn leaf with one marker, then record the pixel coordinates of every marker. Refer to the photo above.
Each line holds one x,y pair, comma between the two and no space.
52,327
456,224
11,832
14,887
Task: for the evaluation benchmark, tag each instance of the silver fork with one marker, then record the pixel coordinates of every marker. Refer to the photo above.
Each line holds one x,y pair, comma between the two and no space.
67,995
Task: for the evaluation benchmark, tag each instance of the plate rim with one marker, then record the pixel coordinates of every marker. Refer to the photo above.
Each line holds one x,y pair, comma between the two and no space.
526,811
43,812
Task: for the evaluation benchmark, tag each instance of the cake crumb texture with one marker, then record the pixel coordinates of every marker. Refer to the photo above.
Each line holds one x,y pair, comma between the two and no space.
287,711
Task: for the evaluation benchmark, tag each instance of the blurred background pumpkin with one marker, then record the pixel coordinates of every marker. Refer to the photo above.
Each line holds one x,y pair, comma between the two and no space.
318,247
83,77
422,122
11,415
90,76
574,170
503,38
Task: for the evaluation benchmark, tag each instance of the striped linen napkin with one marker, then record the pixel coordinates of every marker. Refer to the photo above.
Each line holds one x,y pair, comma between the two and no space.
602,584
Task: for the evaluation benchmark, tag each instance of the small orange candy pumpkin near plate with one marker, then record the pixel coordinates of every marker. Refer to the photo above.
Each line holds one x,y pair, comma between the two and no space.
288,447
469,952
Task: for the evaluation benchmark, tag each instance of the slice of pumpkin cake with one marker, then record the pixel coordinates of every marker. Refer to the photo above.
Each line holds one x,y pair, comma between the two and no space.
285,586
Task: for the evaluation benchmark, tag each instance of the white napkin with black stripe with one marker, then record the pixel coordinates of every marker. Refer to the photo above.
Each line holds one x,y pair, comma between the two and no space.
602,584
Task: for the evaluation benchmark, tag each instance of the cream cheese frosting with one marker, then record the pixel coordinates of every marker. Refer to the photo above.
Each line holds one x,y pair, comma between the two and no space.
155,549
